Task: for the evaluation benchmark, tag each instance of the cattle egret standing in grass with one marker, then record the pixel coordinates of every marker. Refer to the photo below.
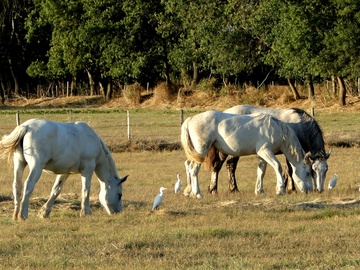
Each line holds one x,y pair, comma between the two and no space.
158,199
332,182
177,184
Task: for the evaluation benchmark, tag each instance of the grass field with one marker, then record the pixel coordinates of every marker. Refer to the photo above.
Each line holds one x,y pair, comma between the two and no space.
227,231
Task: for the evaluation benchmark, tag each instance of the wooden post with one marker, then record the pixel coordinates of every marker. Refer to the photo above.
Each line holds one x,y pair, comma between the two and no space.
17,119
70,115
181,117
67,88
128,125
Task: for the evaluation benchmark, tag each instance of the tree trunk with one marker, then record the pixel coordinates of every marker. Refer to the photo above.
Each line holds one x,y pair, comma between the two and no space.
167,73
195,74
293,89
310,86
91,83
333,85
342,91
73,88
2,91
16,83
109,90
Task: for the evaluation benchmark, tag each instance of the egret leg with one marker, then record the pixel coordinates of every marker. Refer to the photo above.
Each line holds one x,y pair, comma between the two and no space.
56,189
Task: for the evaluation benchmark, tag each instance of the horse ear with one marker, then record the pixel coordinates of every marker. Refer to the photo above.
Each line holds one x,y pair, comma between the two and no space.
122,180
327,155
308,158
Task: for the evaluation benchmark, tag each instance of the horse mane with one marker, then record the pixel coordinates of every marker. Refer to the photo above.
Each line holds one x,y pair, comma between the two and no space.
108,156
315,139
292,144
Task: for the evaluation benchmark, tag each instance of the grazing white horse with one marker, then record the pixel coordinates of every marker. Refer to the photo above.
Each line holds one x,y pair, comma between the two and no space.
62,149
241,135
306,129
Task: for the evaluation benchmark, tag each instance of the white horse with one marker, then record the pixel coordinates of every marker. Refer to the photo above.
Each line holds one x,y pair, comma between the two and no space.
241,135
62,149
306,129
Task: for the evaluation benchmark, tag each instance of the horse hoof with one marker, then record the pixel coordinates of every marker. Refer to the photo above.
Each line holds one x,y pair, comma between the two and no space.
199,196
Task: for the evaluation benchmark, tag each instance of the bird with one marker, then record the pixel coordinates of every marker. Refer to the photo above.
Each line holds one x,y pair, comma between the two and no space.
177,184
332,182
158,199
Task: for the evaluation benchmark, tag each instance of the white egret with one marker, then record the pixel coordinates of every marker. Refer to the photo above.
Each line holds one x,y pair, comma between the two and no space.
158,199
332,182
177,184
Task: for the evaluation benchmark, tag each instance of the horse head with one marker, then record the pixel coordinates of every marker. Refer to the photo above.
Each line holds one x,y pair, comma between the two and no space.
302,175
110,195
319,168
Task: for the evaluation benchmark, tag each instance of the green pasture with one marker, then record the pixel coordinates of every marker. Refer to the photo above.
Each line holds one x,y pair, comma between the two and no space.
226,231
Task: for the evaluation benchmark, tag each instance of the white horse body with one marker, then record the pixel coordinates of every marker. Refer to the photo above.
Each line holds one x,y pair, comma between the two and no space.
62,149
306,129
241,135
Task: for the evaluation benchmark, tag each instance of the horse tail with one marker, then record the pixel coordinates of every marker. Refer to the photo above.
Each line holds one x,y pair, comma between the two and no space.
187,144
9,143
209,158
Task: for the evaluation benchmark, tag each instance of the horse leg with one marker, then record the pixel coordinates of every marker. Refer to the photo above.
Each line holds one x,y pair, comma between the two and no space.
29,184
231,165
259,187
271,159
216,166
289,181
194,171
85,201
19,167
55,191
187,190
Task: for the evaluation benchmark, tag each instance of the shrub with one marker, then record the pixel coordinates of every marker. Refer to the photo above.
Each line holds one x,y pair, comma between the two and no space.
132,93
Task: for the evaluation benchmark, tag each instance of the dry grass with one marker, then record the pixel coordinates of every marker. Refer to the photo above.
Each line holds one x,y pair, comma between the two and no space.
227,231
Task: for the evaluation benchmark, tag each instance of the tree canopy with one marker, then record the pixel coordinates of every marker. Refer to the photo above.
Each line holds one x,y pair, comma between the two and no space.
177,41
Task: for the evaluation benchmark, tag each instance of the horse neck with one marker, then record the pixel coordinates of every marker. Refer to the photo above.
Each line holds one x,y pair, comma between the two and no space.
309,133
292,148
105,167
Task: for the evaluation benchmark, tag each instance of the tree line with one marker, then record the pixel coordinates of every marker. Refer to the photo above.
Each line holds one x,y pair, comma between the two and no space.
107,43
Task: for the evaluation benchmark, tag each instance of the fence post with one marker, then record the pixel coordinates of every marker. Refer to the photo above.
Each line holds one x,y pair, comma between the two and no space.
70,115
312,112
17,119
181,116
128,125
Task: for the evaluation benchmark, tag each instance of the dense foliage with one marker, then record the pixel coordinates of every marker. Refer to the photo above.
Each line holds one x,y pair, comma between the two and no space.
104,43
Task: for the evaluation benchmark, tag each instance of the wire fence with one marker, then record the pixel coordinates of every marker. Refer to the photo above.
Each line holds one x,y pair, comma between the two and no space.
116,127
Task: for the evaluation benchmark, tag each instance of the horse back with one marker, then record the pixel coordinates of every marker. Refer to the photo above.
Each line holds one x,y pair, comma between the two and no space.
60,145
